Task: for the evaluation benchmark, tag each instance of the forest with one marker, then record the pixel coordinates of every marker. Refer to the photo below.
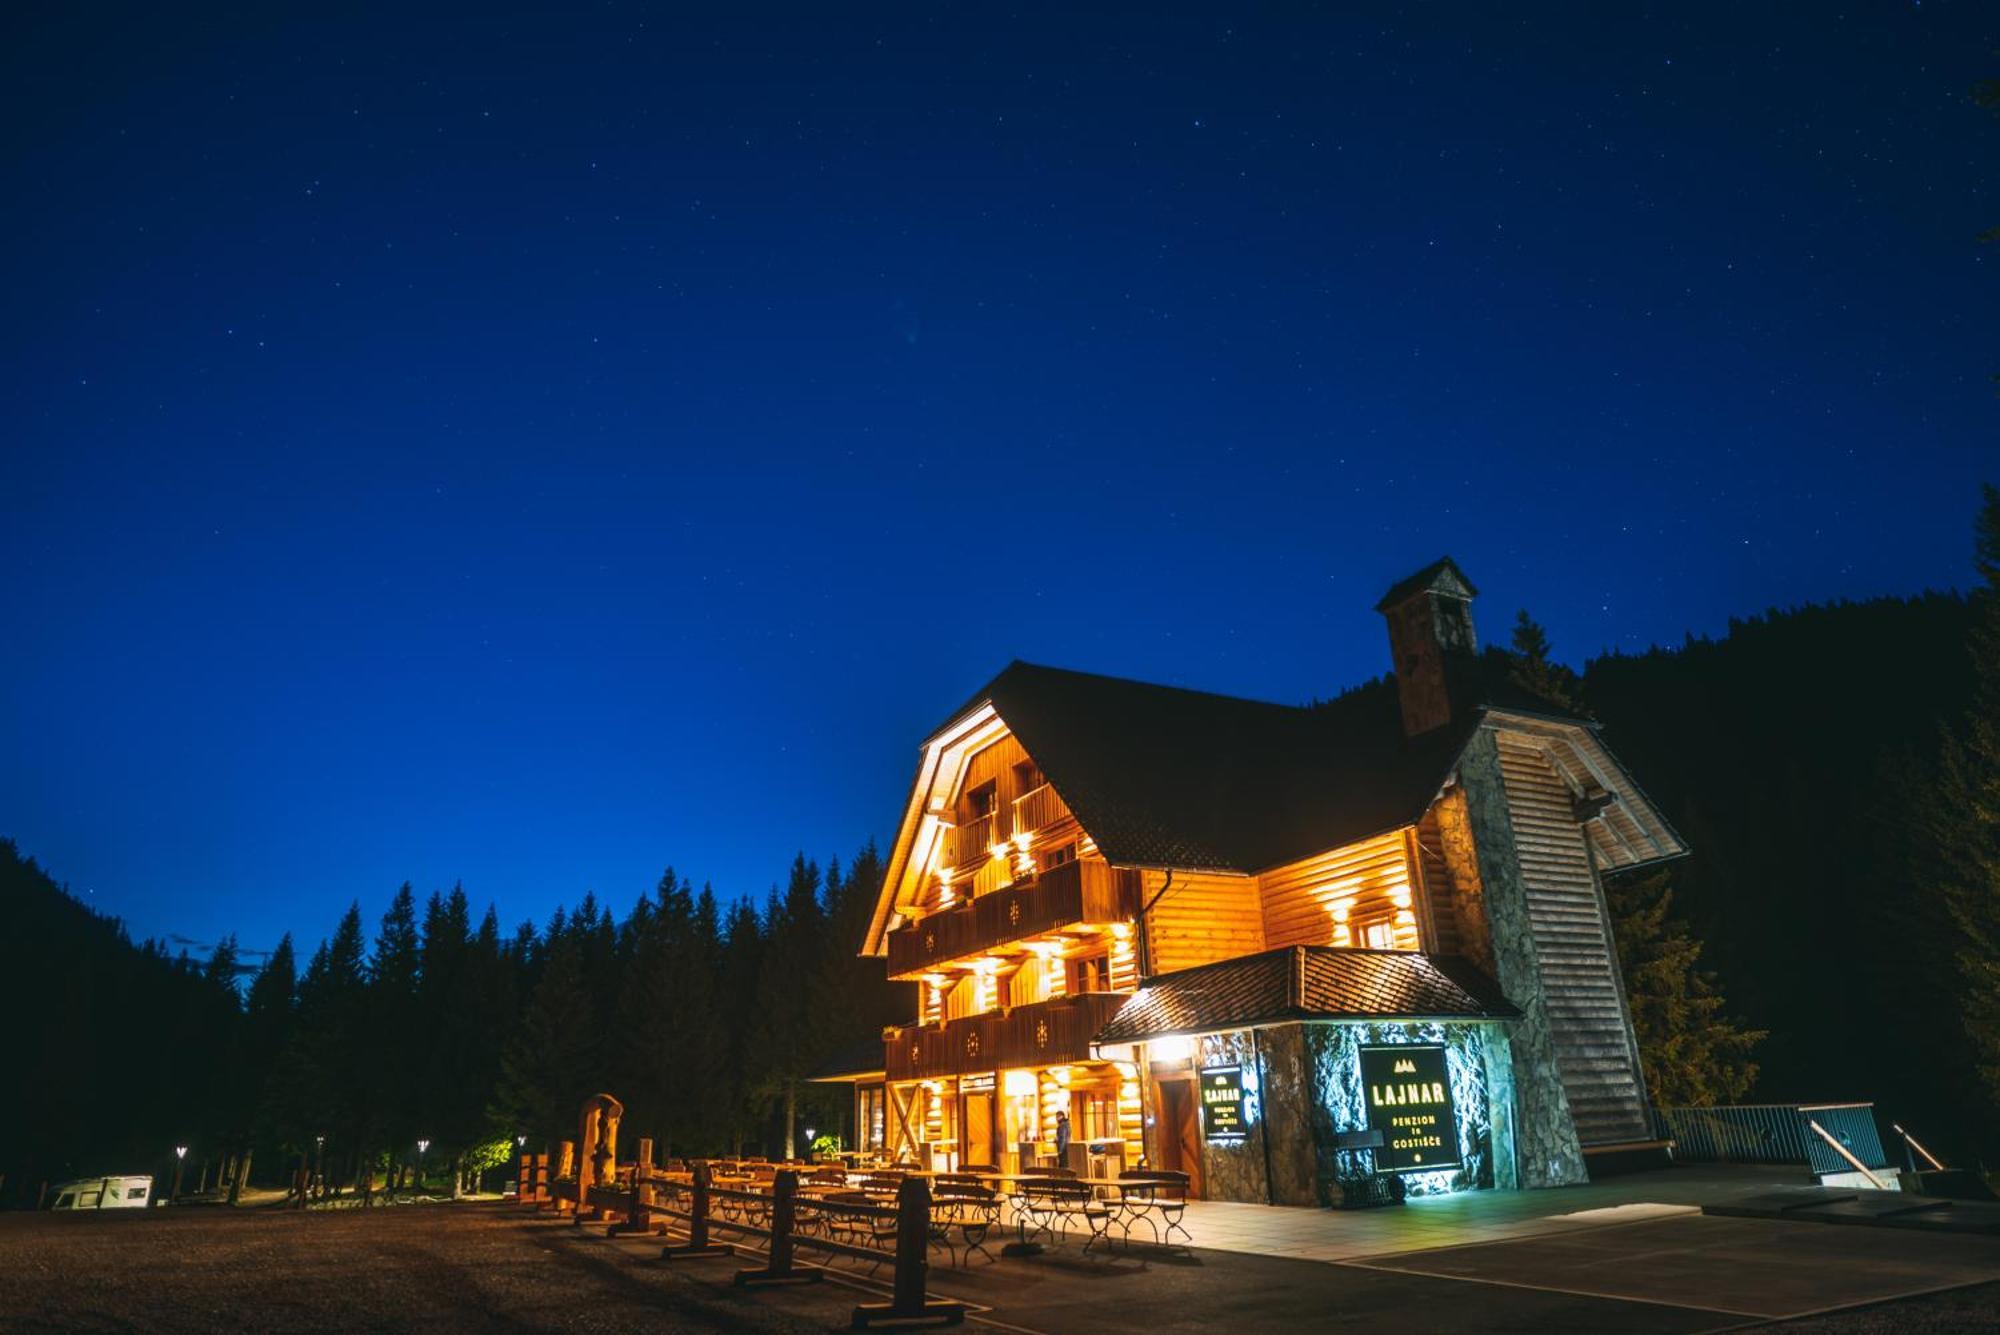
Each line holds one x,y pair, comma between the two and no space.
430,1025
1834,935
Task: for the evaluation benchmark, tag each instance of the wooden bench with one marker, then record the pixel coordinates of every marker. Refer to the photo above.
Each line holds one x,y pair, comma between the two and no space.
1051,1204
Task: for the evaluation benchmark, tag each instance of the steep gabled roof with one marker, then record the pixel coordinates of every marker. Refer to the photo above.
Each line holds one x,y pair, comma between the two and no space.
1440,576
1307,983
1165,777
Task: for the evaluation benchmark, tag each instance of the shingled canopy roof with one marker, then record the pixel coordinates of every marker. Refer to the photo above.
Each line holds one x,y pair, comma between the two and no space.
1308,983
1166,777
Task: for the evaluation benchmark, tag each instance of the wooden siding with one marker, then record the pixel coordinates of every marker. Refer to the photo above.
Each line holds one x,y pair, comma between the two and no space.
1566,915
1201,919
1300,899
1435,890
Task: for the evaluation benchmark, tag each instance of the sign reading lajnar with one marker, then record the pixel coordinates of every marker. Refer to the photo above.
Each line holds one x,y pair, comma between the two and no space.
1409,1102
1222,1103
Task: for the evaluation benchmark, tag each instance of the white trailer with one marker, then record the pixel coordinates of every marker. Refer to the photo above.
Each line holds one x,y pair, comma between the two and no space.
104,1193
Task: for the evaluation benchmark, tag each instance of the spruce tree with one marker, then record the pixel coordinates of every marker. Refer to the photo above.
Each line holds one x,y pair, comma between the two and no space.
1693,1054
1964,823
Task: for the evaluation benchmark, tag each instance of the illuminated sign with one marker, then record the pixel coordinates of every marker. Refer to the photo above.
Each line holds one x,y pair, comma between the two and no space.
1222,1103
1409,1102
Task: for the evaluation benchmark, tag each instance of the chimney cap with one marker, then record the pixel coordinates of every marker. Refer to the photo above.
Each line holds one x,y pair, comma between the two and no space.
1441,576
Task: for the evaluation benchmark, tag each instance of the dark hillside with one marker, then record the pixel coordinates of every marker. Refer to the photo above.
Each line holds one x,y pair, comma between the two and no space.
1775,750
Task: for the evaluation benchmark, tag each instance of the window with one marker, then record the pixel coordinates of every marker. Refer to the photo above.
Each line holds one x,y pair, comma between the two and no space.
1056,857
1379,935
134,1193
979,801
1027,777
1100,1116
872,1118
1090,973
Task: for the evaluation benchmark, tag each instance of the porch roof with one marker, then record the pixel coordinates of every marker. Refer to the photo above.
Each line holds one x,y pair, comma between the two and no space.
1308,983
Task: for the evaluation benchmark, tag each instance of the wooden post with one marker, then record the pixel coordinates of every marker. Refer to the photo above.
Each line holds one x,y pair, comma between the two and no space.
697,1243
784,1216
908,1304
565,1168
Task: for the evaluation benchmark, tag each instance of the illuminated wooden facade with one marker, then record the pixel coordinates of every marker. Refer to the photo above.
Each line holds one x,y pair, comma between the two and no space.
1071,841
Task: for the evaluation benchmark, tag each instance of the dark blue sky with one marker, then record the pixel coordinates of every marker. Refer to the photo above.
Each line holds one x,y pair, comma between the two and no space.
534,447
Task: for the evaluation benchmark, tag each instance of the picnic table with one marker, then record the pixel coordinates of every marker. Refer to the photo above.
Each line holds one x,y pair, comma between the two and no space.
1048,1201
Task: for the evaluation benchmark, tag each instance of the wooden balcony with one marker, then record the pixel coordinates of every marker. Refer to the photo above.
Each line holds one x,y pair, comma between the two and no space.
1076,892
1044,1033
1038,809
972,842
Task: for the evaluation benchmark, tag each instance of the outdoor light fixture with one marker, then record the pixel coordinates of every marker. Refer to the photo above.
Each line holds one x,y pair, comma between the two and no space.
809,1135
423,1147
520,1142
180,1151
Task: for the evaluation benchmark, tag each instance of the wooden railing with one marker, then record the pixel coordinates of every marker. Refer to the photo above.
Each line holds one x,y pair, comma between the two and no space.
1037,809
972,842
1087,892
1040,1034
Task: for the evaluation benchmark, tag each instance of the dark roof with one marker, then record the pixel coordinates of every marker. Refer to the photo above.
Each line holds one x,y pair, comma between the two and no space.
856,1061
1442,574
1308,983
1165,777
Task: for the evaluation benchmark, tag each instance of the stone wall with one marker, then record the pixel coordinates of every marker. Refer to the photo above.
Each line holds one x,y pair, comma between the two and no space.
1546,1150
1474,1055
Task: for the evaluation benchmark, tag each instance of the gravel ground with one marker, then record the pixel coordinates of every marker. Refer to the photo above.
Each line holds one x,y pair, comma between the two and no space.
443,1268
493,1267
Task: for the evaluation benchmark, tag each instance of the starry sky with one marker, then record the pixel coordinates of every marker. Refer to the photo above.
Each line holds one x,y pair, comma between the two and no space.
533,446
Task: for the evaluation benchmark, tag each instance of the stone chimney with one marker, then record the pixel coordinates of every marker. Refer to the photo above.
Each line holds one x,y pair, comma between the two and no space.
1432,644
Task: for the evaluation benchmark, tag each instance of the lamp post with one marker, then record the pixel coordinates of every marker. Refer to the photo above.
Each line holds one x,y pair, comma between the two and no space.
809,1144
319,1163
180,1162
422,1146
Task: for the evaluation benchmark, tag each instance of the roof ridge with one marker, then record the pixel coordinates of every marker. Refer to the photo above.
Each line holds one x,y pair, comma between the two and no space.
1152,685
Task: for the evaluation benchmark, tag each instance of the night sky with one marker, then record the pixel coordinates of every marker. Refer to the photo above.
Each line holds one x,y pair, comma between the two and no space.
535,447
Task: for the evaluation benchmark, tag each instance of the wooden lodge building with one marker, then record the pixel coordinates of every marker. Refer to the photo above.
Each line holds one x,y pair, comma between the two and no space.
1222,934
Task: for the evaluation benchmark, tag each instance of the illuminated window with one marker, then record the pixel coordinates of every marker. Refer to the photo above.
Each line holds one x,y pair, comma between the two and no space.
1056,857
872,1118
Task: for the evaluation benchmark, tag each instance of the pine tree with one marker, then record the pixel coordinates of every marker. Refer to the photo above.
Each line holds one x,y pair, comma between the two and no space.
389,1073
1693,1054
1964,823
1533,670
791,1030
552,1062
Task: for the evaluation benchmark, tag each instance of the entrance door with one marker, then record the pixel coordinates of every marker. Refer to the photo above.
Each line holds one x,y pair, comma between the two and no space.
1180,1131
976,1146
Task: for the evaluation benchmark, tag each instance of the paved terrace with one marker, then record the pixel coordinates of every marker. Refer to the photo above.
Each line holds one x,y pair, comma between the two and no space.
1474,1216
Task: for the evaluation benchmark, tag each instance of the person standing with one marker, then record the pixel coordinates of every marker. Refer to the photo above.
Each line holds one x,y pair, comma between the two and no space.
1062,1140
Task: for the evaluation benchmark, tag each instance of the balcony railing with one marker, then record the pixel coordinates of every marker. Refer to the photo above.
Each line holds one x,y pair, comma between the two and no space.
1043,1033
1076,892
1037,809
972,842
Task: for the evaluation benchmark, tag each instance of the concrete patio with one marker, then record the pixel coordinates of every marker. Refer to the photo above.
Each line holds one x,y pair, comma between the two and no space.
1429,1222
